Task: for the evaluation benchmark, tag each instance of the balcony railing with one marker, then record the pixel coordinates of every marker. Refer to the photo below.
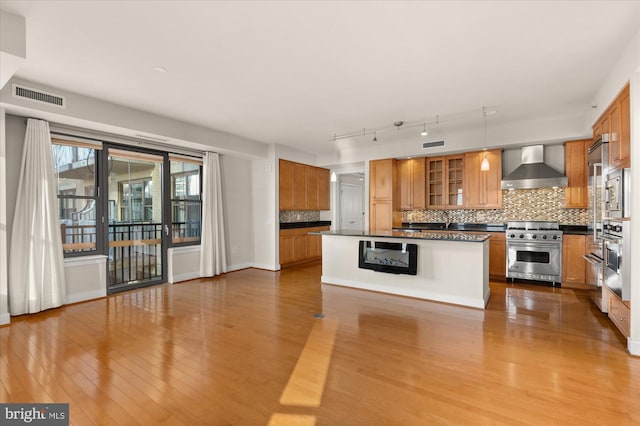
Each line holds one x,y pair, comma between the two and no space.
135,253
135,250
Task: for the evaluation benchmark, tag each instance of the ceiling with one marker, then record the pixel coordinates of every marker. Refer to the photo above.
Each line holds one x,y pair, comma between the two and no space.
296,73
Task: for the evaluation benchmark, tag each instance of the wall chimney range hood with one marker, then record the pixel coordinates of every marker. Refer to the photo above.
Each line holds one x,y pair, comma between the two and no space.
533,172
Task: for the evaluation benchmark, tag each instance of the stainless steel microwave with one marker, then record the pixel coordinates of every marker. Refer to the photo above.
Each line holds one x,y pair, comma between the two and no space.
618,194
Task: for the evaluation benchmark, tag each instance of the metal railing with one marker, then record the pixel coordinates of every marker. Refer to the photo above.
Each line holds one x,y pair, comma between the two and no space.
135,253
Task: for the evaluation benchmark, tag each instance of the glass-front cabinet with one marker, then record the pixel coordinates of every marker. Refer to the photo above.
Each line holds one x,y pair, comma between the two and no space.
444,181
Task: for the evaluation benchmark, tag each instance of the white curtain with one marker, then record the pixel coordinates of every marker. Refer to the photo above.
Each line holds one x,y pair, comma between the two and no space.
36,264
213,257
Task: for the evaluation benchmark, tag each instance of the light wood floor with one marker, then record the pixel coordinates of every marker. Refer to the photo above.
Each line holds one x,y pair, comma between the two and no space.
245,349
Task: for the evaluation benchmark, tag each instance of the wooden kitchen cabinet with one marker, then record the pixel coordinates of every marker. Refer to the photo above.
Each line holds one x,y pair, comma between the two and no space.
482,189
445,181
324,178
616,122
297,247
303,187
619,313
312,188
498,255
620,133
384,212
573,264
577,171
412,181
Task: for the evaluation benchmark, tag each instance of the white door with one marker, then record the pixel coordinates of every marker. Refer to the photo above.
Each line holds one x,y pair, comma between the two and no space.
351,212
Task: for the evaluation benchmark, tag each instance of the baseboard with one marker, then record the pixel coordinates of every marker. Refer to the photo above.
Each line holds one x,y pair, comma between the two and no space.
266,267
185,277
633,346
83,297
239,266
5,319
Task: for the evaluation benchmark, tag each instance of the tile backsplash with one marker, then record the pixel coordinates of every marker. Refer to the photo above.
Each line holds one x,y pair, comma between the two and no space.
520,204
289,216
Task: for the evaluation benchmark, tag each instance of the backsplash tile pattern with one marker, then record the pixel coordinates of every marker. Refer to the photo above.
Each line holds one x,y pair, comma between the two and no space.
289,216
522,204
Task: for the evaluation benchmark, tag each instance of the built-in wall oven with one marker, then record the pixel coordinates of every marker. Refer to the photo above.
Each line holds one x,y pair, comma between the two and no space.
534,251
616,236
618,194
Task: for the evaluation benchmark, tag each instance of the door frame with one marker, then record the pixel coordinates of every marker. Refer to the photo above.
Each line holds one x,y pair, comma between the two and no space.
103,199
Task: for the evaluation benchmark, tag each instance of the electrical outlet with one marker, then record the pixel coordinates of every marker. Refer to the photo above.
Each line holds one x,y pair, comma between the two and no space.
297,217
234,250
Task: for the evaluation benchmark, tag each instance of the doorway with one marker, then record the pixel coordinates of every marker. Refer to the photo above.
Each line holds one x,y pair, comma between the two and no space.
135,211
351,201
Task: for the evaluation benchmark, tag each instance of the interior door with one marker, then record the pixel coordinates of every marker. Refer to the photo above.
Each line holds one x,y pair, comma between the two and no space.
136,229
351,203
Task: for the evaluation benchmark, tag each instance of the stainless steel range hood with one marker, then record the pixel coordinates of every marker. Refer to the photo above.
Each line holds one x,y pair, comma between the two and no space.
533,172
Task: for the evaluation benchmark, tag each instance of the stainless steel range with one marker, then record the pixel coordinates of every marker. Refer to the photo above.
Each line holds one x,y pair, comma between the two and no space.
534,251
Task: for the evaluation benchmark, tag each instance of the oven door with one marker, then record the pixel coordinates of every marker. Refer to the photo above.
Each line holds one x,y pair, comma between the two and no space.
612,264
534,260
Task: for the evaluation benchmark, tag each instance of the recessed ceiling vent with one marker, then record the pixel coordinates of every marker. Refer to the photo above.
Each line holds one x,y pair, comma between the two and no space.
38,96
434,144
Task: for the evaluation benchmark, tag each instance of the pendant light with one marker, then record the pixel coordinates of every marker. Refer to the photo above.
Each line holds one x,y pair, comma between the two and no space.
424,130
334,177
484,166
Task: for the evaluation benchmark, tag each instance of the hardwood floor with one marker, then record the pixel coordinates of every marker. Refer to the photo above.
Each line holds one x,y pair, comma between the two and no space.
246,349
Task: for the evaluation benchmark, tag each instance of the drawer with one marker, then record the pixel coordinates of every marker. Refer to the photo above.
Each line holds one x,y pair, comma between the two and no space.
619,314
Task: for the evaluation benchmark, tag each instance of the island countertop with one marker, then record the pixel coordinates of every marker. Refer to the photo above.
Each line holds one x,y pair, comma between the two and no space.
417,235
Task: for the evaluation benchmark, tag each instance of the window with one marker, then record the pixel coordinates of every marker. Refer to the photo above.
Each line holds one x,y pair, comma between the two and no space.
136,200
186,203
75,169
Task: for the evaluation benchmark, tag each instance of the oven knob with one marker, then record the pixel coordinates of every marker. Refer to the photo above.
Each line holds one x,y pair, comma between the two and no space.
521,236
544,237
534,236
512,236
618,228
555,237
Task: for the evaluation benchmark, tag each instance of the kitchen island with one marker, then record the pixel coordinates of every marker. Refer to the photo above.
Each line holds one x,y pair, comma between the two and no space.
447,267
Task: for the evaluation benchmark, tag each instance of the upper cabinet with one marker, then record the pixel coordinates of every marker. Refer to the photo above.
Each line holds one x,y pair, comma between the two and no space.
615,122
412,181
620,139
303,187
482,189
384,213
444,181
576,169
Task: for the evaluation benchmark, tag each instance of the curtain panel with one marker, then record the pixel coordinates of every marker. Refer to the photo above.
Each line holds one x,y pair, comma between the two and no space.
213,258
36,263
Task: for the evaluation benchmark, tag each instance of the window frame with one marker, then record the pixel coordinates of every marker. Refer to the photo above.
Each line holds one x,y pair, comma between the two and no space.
99,226
171,199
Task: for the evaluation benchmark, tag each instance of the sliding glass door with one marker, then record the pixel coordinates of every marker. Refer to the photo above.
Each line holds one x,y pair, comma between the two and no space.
136,227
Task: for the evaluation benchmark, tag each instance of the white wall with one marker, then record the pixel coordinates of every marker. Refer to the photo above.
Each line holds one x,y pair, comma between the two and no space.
4,302
264,193
238,211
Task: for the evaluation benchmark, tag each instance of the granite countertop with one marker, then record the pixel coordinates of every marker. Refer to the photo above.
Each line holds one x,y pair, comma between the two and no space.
417,235
437,226
293,225
483,227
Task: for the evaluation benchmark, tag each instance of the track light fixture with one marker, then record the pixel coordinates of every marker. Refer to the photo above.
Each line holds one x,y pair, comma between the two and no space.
424,130
484,166
375,137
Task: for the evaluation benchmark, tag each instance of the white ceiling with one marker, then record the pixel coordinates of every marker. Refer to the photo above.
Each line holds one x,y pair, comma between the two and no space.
296,73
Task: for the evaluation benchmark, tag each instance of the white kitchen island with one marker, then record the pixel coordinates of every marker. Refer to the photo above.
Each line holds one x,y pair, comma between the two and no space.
451,267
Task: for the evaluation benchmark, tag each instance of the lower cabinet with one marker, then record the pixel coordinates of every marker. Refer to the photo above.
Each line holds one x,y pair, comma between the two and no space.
298,247
619,313
498,255
573,264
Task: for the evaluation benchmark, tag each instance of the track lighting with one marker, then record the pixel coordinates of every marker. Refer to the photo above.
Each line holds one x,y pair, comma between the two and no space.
484,166
375,138
424,130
